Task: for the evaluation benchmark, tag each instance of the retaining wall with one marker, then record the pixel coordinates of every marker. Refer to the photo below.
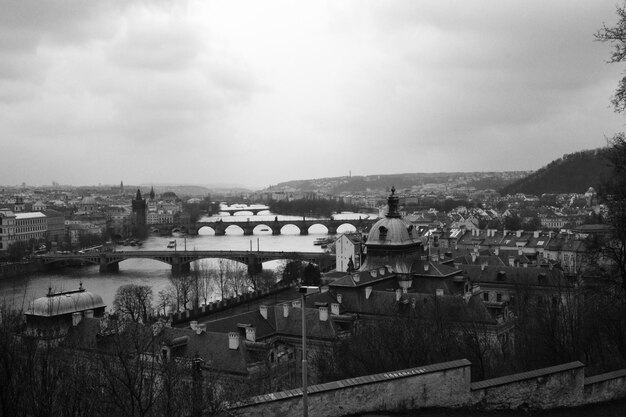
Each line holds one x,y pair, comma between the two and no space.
444,385
605,387
556,386
440,385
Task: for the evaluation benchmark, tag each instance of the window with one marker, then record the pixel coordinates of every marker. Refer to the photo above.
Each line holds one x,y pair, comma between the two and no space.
498,297
486,296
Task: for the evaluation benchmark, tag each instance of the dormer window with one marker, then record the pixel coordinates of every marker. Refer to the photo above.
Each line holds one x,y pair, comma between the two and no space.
382,233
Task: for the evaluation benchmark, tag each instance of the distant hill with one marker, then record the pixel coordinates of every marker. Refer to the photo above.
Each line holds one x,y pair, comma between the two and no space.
573,173
407,181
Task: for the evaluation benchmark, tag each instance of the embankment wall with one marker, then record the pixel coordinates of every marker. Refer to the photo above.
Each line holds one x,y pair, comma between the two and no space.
444,385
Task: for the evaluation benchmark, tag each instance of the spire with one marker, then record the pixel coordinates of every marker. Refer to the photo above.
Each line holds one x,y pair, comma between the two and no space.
152,193
138,197
392,202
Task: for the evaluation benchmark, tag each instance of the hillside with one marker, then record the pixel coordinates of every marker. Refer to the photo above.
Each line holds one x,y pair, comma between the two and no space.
415,181
573,173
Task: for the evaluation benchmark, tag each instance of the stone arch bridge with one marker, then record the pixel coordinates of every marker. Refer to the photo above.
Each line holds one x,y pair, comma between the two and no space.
181,260
219,226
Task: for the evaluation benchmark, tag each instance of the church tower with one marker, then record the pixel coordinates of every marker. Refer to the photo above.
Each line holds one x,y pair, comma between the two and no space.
138,220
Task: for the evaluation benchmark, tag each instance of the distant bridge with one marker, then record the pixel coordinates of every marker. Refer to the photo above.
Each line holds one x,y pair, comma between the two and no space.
248,226
181,260
253,210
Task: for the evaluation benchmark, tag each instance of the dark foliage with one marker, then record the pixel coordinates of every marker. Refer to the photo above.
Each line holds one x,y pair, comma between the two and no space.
573,173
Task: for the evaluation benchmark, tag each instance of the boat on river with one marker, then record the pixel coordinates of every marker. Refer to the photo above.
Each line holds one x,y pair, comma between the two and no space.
323,241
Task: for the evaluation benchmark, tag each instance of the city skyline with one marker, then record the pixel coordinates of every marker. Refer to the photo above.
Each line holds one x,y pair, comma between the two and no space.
257,93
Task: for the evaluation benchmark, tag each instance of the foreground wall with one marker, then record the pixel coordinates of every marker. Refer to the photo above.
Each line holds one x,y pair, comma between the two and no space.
445,385
440,385
556,386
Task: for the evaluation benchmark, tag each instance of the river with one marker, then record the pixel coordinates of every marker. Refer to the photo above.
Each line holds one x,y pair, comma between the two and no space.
18,292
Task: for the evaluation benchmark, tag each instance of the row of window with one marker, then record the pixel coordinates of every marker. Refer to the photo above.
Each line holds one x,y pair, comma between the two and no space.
19,230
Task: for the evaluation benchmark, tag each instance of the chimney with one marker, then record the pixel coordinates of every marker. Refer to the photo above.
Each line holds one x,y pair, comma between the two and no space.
398,294
233,340
518,233
511,261
193,324
497,250
88,314
76,318
504,232
339,298
473,258
427,267
286,310
368,292
296,303
536,234
334,309
519,252
356,277
263,311
439,292
323,313
251,333
201,328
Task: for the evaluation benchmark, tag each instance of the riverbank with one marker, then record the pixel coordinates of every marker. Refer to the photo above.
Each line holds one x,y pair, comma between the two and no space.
14,269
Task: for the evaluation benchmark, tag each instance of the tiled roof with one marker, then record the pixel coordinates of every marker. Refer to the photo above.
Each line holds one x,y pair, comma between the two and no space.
365,277
210,346
516,275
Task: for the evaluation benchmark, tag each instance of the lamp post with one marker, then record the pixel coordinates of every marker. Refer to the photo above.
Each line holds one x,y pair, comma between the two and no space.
304,291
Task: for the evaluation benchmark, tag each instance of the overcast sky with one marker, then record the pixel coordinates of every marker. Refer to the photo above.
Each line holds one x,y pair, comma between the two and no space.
260,92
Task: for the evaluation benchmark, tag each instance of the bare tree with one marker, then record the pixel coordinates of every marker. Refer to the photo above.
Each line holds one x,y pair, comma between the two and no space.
134,302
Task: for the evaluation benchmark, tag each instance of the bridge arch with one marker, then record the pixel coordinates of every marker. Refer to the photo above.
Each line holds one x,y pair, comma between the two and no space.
234,229
346,227
316,228
206,231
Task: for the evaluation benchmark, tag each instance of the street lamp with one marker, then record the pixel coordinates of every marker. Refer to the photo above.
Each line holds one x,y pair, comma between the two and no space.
304,291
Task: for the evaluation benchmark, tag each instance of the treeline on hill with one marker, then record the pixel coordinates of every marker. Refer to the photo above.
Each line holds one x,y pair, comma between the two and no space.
573,173
319,208
357,184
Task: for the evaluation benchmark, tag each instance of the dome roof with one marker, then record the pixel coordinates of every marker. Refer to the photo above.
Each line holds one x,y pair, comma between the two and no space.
392,229
65,303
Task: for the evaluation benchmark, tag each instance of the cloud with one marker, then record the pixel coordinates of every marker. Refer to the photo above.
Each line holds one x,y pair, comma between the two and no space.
261,92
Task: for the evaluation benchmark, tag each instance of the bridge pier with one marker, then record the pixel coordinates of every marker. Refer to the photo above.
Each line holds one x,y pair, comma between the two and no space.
255,267
332,230
275,231
178,267
112,267
304,230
